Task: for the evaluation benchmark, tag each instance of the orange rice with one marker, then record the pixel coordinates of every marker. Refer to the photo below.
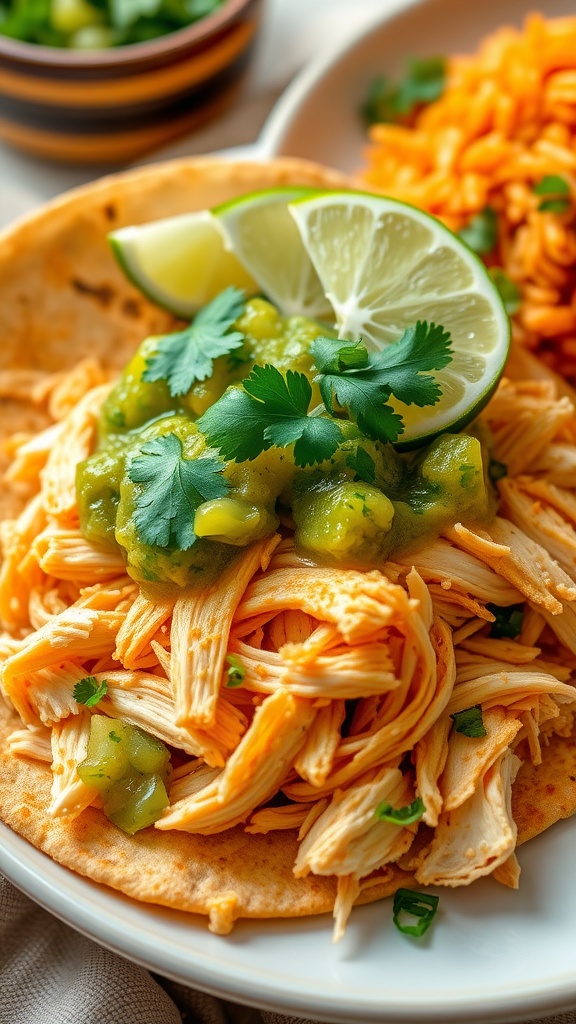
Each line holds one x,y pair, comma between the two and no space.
506,119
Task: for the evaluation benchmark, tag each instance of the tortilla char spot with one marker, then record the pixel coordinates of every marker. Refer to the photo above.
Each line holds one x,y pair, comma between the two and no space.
103,294
532,806
110,212
131,308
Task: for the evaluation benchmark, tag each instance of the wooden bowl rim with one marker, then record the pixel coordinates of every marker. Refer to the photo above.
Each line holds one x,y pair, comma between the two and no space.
35,55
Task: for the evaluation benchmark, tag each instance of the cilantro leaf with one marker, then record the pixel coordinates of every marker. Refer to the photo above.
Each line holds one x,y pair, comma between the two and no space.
335,355
401,815
363,465
89,691
173,488
187,356
235,425
388,101
270,411
236,672
481,233
509,291
552,184
508,621
555,205
398,370
422,347
469,722
365,401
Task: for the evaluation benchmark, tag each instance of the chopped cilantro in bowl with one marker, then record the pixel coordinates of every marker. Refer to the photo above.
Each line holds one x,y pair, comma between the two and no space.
98,24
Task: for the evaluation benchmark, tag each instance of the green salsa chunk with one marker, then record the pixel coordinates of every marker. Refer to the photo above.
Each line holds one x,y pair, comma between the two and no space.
343,521
360,525
135,801
356,509
133,402
129,768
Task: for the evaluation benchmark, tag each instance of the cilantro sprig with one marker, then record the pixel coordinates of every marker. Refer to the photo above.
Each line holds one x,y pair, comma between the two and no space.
89,691
362,382
173,488
273,410
270,410
187,356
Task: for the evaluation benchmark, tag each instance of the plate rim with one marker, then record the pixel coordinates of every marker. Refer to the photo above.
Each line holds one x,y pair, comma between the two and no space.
38,876
280,118
21,863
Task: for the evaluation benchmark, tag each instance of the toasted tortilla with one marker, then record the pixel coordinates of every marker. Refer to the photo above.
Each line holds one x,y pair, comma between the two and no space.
63,298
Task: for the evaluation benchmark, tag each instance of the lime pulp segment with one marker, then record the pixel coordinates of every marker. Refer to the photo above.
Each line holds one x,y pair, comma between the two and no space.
384,265
260,232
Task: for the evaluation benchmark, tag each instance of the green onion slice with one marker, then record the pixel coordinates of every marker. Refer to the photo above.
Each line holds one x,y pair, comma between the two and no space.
236,672
419,905
401,815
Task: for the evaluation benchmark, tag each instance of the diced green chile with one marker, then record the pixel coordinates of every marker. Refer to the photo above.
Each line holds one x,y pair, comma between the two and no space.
363,504
129,768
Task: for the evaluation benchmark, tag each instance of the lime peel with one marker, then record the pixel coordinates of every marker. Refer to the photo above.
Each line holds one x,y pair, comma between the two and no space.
180,263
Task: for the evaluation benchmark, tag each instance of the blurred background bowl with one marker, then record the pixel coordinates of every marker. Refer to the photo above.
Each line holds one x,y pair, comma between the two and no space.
112,105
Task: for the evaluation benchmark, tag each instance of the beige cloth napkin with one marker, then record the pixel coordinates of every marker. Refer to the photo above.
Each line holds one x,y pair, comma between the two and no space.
50,974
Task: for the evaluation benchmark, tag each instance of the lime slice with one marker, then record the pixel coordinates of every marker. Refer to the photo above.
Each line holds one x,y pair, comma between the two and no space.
383,266
179,262
259,230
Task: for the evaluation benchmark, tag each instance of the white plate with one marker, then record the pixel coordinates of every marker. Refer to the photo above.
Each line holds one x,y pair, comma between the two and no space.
317,116
492,954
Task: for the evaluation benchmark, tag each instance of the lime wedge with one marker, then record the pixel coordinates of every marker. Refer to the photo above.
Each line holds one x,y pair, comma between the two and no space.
260,232
383,266
179,262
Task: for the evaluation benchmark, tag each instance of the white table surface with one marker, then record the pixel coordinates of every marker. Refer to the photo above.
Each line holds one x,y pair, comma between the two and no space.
294,32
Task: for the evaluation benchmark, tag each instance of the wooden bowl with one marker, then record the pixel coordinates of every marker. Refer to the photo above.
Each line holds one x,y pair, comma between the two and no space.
110,106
